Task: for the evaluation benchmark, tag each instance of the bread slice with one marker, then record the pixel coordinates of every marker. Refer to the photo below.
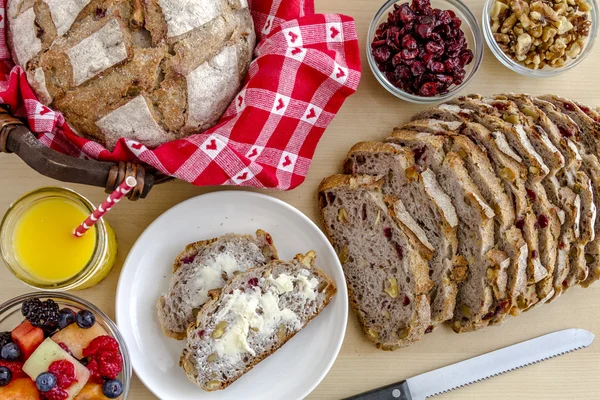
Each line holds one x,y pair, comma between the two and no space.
430,207
484,177
384,262
255,314
204,266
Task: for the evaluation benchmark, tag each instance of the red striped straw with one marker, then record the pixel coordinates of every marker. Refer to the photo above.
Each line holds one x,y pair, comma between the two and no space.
105,207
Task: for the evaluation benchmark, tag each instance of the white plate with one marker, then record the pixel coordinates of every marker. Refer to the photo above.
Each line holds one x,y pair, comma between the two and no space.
294,370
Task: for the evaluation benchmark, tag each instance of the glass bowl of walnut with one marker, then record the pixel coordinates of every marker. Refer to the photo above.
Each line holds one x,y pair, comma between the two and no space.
540,38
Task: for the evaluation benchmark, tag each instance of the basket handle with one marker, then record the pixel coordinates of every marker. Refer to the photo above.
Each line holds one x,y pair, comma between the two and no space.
16,138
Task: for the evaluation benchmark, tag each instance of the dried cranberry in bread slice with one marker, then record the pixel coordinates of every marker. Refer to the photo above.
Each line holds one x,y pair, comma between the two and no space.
481,172
250,318
430,207
384,262
204,266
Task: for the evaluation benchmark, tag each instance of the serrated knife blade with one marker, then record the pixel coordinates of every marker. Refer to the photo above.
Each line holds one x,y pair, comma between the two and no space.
482,367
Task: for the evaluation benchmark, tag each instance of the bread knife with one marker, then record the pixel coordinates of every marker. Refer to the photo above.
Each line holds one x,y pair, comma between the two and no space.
482,367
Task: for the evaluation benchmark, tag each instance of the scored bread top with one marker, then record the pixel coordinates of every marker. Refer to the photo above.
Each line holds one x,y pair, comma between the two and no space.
152,71
255,314
204,266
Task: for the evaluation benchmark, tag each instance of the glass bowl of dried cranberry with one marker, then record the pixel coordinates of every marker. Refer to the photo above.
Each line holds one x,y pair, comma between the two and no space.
424,51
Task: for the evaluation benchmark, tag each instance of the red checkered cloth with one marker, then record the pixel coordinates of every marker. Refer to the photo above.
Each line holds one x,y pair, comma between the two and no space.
305,66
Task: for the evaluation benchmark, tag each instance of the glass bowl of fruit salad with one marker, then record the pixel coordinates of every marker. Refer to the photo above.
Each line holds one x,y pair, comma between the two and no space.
424,51
56,346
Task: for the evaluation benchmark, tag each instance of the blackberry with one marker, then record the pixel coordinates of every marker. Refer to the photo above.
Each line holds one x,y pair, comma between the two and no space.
5,338
42,314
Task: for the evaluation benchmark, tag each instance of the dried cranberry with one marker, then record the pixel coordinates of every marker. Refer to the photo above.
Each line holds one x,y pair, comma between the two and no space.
565,132
409,42
409,54
520,224
455,23
444,17
99,13
424,31
253,282
405,14
418,153
381,53
400,251
534,254
542,221
418,68
465,57
445,79
459,76
377,43
531,194
428,89
429,329
434,47
561,245
201,333
565,283
427,20
387,232
569,106
406,301
436,67
499,106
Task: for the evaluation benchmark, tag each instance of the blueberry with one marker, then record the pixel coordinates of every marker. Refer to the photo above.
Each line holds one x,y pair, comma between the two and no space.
112,388
85,319
5,376
65,318
10,352
46,381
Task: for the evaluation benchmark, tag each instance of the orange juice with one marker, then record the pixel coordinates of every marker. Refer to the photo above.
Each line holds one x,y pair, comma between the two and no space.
38,246
44,244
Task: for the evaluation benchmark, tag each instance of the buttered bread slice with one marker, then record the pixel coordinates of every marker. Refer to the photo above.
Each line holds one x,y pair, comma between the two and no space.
204,266
255,314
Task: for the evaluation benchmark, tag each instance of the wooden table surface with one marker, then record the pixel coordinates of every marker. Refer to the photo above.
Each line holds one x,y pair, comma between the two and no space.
370,114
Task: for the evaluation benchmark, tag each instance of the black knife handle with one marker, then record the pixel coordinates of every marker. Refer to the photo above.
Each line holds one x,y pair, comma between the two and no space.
395,391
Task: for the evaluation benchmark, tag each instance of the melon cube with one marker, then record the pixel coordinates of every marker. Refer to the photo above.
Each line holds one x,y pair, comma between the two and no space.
77,339
92,391
46,354
28,338
20,389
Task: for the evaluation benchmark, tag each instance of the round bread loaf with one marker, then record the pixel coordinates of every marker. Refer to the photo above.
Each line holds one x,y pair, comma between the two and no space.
148,70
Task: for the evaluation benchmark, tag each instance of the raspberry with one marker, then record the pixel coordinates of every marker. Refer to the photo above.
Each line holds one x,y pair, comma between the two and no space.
64,372
105,358
16,367
56,394
101,343
65,348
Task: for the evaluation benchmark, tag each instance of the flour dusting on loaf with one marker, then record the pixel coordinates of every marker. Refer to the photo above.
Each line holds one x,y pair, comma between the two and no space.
179,63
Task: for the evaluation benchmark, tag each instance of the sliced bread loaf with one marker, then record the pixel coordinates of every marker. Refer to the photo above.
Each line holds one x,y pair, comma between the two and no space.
255,314
508,167
484,177
204,266
576,126
430,207
384,262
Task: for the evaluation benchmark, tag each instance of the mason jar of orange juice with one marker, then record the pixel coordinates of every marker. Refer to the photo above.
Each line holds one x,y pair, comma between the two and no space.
38,245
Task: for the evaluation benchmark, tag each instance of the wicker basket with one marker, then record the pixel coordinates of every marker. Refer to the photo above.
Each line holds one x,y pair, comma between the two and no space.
16,138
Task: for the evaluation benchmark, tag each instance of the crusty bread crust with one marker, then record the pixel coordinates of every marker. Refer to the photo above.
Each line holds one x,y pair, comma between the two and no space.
307,261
